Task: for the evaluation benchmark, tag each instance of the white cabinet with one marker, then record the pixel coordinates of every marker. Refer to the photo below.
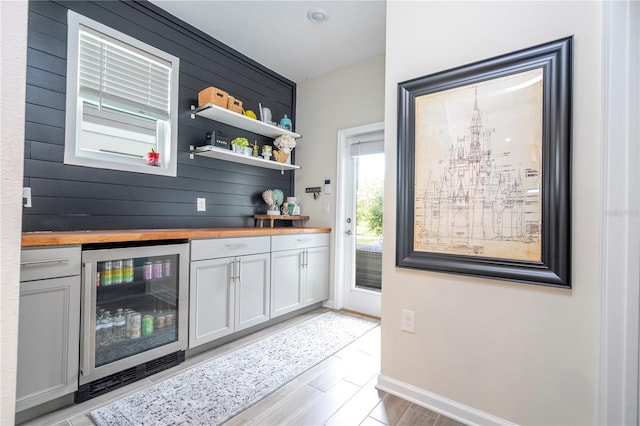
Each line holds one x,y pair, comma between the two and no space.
299,271
229,286
49,325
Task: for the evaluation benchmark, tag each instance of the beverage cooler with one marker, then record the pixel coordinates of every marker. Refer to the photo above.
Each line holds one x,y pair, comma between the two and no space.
134,314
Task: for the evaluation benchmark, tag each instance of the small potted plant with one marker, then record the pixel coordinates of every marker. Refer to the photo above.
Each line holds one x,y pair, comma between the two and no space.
153,157
239,145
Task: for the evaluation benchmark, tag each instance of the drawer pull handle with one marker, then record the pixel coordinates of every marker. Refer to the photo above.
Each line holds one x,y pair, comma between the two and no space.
303,240
43,262
236,246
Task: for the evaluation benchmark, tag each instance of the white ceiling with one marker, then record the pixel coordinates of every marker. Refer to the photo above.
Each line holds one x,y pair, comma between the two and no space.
278,34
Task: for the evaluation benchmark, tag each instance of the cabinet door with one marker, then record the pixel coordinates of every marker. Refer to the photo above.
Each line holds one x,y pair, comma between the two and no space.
48,340
252,290
317,275
211,300
286,282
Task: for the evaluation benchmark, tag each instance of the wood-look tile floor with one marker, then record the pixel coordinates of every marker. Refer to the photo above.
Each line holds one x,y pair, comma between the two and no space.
340,391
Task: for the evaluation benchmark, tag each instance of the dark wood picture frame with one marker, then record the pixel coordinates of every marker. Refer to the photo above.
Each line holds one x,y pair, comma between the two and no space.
552,266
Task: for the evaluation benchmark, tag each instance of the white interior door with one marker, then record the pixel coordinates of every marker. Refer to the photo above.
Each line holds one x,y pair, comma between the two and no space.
359,219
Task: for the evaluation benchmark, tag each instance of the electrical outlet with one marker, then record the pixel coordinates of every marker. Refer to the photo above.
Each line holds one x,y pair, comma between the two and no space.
408,321
325,208
201,204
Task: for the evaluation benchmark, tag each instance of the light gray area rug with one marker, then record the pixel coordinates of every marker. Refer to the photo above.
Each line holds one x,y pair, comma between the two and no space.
211,393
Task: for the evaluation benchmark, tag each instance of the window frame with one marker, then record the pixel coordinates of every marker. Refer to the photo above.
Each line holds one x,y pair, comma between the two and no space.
73,153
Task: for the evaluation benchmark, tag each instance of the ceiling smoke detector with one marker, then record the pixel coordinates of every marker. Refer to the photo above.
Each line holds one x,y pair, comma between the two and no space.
317,15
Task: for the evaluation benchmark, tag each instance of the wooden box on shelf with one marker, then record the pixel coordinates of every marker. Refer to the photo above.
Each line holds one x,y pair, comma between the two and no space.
213,95
234,105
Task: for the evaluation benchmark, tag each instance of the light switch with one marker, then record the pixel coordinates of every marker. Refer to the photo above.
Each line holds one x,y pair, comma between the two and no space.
26,196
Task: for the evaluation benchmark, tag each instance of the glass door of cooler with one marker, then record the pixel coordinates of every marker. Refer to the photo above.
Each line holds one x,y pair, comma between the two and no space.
135,307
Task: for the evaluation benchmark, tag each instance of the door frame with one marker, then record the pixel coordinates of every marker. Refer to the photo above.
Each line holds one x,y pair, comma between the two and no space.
341,198
619,365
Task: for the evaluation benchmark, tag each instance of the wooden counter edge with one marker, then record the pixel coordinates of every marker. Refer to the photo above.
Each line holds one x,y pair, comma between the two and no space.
35,239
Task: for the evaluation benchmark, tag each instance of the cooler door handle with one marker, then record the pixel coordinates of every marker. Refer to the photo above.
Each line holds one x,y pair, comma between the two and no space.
88,325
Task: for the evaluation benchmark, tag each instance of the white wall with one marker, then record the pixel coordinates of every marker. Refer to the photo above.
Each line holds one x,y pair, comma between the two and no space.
523,353
13,55
348,97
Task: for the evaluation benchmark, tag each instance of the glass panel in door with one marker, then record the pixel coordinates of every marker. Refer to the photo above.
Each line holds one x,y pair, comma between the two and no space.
136,306
369,205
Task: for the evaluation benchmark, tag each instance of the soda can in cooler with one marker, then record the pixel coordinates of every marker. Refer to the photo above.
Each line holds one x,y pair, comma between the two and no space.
147,325
127,271
105,275
157,269
136,323
167,268
127,327
148,270
116,272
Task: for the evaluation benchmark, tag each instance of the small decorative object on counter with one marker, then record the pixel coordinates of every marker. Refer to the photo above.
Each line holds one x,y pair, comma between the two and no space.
274,199
239,145
293,206
153,157
285,123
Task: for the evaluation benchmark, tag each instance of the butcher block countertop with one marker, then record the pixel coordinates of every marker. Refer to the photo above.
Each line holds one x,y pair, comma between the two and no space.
46,238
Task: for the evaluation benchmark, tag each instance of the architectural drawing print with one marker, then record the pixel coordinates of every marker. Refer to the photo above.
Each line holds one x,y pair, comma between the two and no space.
478,169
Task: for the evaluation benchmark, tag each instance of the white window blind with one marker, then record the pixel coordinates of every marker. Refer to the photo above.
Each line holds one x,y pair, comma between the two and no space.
122,100
122,77
359,148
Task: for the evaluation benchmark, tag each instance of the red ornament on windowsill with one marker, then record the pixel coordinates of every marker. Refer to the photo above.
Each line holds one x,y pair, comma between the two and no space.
153,158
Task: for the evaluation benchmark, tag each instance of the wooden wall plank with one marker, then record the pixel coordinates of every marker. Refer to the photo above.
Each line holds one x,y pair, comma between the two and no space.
67,197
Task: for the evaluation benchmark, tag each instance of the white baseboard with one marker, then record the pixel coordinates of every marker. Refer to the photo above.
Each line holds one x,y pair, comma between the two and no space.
437,403
329,304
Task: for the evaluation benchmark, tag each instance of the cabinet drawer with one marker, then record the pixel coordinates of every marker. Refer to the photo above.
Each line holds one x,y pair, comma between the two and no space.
290,242
224,247
50,262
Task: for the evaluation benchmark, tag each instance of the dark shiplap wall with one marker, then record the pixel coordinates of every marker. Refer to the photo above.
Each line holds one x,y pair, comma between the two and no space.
69,197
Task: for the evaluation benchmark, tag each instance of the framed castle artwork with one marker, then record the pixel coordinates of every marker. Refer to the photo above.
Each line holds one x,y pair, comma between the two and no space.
484,168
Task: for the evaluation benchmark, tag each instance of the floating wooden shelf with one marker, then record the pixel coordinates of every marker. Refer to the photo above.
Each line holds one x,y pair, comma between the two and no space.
297,220
223,115
228,155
